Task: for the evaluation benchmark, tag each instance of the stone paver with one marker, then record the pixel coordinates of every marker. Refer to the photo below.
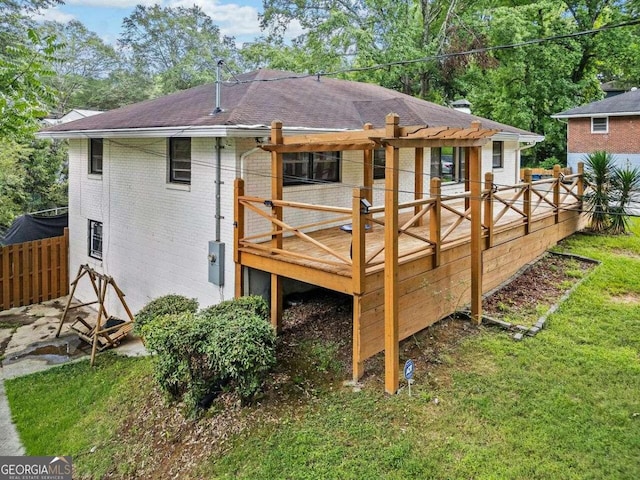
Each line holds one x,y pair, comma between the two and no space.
33,348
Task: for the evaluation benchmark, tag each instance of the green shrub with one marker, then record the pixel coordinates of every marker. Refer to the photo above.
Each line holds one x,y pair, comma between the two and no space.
253,303
230,345
167,305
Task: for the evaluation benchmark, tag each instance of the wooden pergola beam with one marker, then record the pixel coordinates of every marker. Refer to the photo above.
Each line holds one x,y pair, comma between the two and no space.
277,175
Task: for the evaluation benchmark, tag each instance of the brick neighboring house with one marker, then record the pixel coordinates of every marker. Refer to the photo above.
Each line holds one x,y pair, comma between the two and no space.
612,125
145,179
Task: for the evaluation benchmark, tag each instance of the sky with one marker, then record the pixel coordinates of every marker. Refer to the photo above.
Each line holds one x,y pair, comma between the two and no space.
236,18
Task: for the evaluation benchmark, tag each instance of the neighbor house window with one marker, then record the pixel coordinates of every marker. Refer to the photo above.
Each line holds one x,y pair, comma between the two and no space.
95,239
180,160
315,167
498,154
599,125
95,156
379,163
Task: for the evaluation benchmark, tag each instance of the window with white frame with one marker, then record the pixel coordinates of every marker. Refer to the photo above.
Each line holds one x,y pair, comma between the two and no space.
498,154
95,156
316,167
599,124
180,160
95,239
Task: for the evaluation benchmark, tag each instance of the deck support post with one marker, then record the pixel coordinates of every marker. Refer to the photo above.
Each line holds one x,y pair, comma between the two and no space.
488,207
419,183
368,169
435,219
391,225
475,201
238,233
556,192
277,174
528,178
358,361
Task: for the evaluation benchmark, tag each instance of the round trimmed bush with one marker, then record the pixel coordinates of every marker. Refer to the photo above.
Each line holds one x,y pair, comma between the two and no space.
166,305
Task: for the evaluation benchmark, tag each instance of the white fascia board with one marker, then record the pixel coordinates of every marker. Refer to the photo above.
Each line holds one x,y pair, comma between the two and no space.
599,114
187,131
516,137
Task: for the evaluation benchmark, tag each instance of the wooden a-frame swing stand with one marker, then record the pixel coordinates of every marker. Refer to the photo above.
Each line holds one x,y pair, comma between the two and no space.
100,336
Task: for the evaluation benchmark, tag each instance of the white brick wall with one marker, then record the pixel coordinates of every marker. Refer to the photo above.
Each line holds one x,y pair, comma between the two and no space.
156,234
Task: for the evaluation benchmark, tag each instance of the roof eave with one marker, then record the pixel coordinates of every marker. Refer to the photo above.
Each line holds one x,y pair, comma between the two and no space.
596,114
186,131
517,137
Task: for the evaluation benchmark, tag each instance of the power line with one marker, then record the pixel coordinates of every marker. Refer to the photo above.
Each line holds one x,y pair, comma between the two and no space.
444,56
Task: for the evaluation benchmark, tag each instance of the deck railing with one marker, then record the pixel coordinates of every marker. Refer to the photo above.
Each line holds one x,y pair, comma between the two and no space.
426,226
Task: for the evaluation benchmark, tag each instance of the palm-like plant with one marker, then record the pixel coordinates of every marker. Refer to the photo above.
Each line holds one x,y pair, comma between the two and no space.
626,181
610,192
599,169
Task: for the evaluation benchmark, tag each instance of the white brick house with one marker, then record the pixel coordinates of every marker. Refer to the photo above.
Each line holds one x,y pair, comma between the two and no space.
143,179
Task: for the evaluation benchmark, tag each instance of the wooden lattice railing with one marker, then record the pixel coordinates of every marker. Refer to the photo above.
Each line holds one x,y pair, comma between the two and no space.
426,226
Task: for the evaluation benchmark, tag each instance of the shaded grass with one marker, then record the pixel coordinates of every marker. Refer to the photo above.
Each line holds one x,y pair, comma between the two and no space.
74,408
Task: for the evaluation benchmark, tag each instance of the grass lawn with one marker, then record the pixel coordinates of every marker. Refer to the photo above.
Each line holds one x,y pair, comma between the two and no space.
562,405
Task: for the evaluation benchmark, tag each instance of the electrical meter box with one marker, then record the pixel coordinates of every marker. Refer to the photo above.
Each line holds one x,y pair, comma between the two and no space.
216,263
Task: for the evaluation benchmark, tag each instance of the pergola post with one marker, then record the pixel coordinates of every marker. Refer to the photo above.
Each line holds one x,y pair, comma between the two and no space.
368,169
277,174
419,183
391,342
475,201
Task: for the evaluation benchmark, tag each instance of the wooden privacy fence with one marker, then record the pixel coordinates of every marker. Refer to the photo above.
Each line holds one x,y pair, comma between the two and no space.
33,272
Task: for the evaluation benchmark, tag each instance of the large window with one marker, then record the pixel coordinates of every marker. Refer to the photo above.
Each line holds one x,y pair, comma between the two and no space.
379,163
316,167
498,154
95,239
95,156
443,161
180,160
599,125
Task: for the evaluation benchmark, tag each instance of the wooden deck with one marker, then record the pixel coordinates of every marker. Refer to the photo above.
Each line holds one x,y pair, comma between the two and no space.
406,265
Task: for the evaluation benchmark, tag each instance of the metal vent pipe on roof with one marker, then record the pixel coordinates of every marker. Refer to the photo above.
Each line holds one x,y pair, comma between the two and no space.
218,66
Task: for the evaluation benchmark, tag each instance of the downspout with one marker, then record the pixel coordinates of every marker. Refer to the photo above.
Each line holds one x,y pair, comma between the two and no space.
240,165
519,150
218,183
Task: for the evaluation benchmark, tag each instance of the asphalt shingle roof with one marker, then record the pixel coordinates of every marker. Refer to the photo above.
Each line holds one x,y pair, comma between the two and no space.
628,103
300,101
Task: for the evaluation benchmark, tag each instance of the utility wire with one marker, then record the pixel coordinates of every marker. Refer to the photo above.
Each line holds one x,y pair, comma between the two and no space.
443,56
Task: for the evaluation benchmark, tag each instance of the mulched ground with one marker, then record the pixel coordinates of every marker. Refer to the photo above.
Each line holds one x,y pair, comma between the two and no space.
174,446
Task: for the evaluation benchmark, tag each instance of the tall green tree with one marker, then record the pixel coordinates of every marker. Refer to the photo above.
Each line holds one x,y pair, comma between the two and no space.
84,61
174,48
25,62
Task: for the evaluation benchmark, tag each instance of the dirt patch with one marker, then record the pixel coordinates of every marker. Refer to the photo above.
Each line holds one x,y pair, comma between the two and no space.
532,293
314,356
626,298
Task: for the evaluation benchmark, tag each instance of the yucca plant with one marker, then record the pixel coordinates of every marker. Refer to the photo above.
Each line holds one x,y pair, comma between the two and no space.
599,170
625,181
